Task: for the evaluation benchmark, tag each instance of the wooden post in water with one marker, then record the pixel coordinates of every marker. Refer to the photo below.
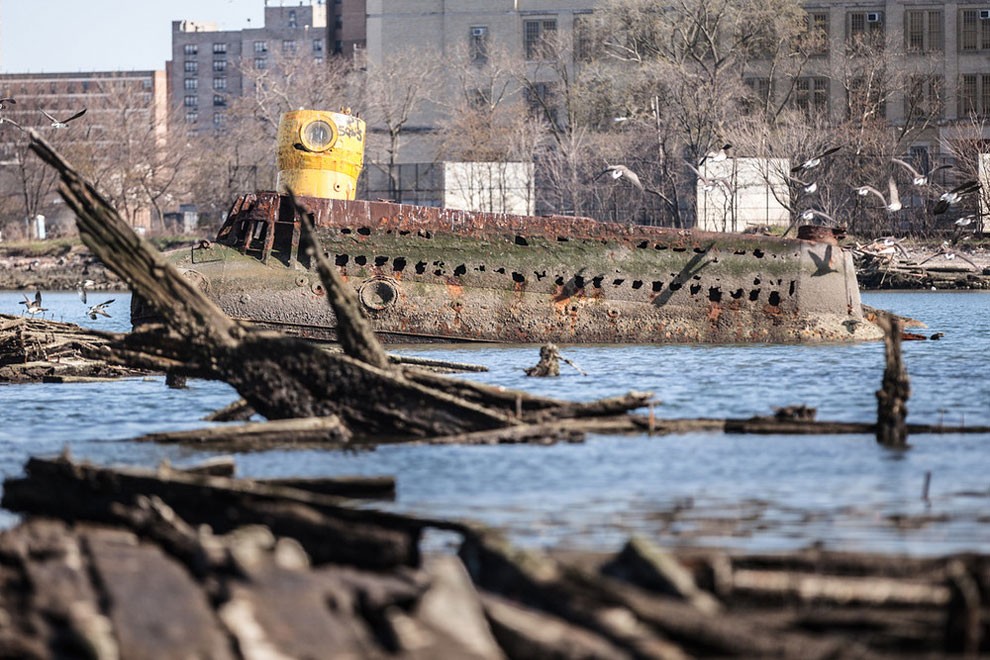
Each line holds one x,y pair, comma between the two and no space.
894,392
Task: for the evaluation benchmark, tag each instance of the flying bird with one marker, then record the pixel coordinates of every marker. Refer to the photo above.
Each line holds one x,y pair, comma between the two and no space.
99,309
814,161
823,264
892,204
33,307
954,196
56,123
807,187
717,155
81,287
623,172
919,178
709,183
4,102
810,214
945,251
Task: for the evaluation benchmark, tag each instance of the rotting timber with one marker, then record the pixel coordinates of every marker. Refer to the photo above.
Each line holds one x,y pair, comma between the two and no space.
432,274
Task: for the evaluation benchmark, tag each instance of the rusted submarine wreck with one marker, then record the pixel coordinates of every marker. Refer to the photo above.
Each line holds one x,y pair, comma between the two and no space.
426,274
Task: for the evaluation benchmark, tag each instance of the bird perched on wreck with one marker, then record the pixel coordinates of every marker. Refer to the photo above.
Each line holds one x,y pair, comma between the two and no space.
33,307
814,161
919,178
893,203
57,123
954,196
99,309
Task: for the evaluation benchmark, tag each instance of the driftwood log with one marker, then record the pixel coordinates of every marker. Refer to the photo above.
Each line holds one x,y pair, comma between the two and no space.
894,392
242,569
279,377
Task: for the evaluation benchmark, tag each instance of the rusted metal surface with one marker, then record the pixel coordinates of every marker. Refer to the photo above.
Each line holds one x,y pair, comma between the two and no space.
430,274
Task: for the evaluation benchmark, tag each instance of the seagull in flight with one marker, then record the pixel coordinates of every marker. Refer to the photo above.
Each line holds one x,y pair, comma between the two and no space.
814,161
56,123
954,196
99,309
919,178
807,187
893,204
716,156
623,172
710,183
33,307
81,287
810,214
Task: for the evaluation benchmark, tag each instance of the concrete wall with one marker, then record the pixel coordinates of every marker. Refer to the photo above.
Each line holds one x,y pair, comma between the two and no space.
491,187
761,194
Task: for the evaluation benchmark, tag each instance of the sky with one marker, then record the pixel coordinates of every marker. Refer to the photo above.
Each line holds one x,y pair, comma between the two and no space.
107,35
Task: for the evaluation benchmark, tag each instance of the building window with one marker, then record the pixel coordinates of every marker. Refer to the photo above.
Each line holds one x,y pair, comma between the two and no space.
219,101
586,44
289,46
218,119
260,63
317,47
190,66
190,49
145,84
811,95
478,44
190,84
924,98
974,94
219,83
923,31
190,101
866,99
537,36
541,100
260,46
192,116
219,65
974,31
338,23
220,49
864,31
759,96
814,41
292,18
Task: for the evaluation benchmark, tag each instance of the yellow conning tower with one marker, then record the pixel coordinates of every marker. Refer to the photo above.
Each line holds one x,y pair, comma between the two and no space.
320,154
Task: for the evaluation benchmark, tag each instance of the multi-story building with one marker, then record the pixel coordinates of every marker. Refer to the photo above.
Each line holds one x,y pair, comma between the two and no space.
346,26
109,98
208,66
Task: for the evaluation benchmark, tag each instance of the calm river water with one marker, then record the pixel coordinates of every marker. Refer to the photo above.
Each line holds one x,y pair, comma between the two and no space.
745,492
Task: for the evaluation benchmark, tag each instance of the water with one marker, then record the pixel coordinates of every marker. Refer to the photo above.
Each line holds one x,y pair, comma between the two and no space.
747,492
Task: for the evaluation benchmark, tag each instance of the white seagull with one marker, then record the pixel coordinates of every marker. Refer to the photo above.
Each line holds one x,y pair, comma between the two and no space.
918,178
710,183
99,309
33,307
953,196
81,287
623,172
56,123
716,155
893,204
807,187
814,161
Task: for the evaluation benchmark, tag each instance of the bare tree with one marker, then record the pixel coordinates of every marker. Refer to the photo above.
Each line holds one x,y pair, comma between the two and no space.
396,91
